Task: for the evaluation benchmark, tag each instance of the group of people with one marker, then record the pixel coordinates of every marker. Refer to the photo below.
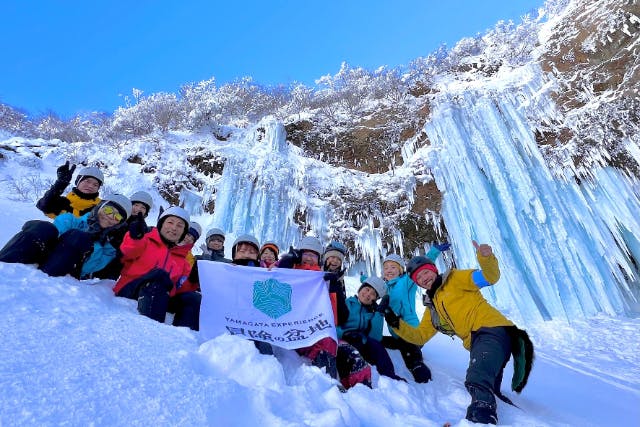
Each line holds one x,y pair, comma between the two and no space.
109,238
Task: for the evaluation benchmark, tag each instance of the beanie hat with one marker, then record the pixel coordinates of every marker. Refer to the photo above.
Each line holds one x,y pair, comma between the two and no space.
377,284
397,259
334,253
272,246
120,202
89,172
426,266
195,230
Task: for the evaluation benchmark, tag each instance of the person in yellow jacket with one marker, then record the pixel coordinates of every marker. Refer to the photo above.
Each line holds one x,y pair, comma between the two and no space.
80,200
455,306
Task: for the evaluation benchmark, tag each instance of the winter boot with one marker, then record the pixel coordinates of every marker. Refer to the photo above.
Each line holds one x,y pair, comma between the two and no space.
32,244
327,361
264,348
153,301
482,412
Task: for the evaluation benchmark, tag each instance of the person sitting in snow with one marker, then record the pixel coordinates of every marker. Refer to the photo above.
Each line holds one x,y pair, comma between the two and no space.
141,203
190,239
307,257
455,306
363,328
245,252
80,200
79,246
352,367
155,269
214,249
269,254
402,300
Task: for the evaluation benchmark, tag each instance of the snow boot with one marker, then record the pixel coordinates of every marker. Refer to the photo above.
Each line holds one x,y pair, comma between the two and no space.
328,361
482,412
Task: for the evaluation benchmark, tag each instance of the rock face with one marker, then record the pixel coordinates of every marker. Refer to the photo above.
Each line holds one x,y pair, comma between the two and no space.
592,53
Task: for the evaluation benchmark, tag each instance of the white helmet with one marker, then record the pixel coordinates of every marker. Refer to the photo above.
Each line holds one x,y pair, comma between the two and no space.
120,200
176,211
91,171
245,238
398,260
376,283
215,232
144,198
310,243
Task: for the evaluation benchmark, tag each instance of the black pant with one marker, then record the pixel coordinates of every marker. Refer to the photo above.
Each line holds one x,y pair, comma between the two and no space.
411,353
374,352
38,243
152,293
489,354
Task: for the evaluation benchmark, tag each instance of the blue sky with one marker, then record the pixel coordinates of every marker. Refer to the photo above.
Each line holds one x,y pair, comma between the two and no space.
74,56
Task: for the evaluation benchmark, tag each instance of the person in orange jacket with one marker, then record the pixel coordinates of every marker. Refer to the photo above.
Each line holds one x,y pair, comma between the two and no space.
155,270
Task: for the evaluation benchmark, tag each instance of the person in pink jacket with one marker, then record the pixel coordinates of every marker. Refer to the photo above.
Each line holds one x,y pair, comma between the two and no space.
155,270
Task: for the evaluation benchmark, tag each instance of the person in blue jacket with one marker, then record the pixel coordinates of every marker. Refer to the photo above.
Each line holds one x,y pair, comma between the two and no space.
363,327
402,300
79,246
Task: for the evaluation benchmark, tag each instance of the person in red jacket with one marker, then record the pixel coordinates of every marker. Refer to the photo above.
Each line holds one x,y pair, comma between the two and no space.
155,270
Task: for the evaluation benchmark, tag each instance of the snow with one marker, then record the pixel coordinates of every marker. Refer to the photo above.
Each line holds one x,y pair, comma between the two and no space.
73,354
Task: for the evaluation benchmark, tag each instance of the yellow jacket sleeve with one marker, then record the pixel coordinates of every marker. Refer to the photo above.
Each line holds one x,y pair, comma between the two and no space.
419,334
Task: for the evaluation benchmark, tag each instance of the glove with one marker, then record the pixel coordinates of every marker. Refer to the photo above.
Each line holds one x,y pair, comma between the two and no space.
296,255
392,319
383,306
65,173
353,337
137,227
334,284
442,246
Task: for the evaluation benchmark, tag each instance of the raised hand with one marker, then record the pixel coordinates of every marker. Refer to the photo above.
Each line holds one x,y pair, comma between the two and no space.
384,304
137,227
65,173
483,249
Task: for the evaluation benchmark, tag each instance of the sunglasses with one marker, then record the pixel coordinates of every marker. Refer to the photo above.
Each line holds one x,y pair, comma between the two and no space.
112,212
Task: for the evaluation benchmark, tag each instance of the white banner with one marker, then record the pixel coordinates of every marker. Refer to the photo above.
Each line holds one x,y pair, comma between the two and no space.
288,308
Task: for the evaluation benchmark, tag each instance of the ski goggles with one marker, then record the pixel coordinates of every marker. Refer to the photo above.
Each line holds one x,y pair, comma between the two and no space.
112,211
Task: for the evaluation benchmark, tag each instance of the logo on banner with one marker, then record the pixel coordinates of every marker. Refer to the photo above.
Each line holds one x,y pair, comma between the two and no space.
272,297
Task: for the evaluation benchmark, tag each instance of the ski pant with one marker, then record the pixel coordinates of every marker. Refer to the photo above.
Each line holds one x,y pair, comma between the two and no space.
152,293
352,367
490,351
374,352
38,243
322,354
411,355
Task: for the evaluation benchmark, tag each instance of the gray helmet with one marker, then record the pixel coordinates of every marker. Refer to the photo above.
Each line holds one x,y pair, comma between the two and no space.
397,259
215,232
376,283
310,243
144,198
245,238
120,200
195,230
91,171
176,211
